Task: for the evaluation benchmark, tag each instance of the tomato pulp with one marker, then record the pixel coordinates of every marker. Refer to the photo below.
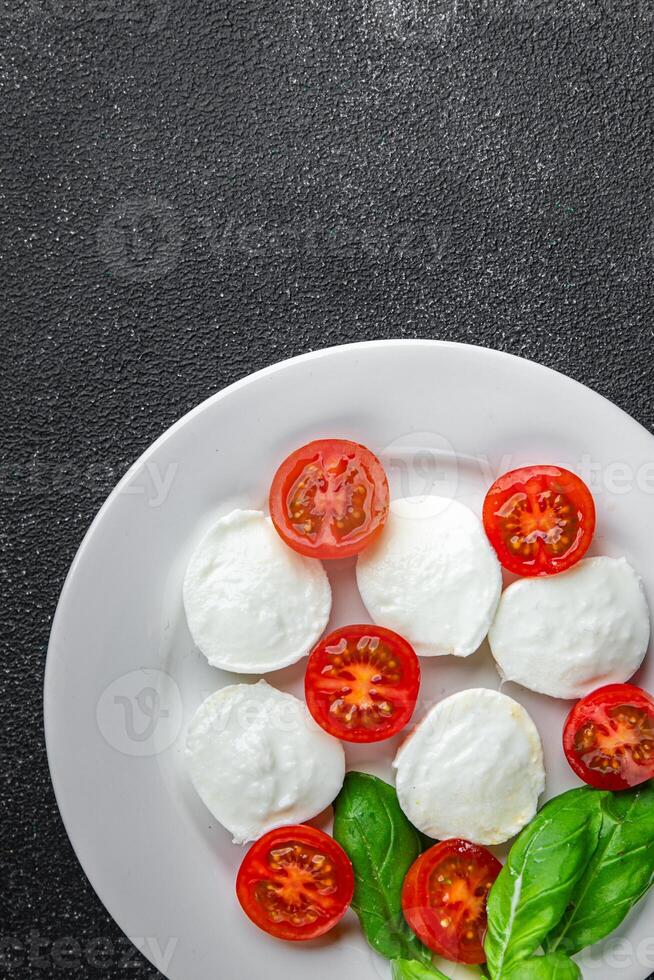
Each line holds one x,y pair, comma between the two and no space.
329,499
539,519
295,883
362,683
608,737
444,898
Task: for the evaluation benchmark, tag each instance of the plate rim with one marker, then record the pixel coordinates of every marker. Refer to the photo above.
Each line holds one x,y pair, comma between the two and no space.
52,655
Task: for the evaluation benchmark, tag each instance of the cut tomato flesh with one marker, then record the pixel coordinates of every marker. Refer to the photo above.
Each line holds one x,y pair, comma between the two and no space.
621,742
539,519
330,502
295,883
461,890
359,681
444,898
329,498
301,873
362,683
541,525
608,737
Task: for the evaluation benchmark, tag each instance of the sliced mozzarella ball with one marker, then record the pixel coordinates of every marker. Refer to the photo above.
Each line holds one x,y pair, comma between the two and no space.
432,576
251,603
473,768
258,760
566,634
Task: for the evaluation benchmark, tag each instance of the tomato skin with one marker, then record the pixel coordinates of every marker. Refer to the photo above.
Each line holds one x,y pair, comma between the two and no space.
449,915
597,722
393,661
267,874
329,499
539,519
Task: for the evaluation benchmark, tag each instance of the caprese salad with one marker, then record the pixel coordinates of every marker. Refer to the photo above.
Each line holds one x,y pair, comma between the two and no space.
412,860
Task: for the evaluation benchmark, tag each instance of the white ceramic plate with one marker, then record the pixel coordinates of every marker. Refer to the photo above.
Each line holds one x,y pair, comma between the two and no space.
123,677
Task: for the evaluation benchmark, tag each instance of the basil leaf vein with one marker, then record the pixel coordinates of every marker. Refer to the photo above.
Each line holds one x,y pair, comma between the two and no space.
531,893
382,845
554,966
412,970
619,873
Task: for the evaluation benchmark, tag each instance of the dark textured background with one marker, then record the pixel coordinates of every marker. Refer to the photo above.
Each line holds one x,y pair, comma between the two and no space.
192,191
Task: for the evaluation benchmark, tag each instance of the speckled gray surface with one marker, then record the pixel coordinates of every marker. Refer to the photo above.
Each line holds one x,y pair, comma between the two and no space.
192,191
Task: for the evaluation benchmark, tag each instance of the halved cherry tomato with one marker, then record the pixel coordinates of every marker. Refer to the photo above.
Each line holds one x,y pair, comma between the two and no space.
329,499
609,737
295,883
444,898
362,683
539,519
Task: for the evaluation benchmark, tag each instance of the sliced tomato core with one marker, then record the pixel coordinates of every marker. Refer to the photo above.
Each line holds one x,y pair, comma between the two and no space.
329,498
539,519
444,898
609,737
301,873
362,683
622,741
295,883
461,888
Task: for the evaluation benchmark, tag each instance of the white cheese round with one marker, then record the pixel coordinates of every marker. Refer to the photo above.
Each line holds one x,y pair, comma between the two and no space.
258,760
473,768
432,576
567,634
252,604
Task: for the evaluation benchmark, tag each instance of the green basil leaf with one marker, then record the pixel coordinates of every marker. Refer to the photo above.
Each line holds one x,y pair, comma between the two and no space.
542,870
554,966
619,873
412,970
382,845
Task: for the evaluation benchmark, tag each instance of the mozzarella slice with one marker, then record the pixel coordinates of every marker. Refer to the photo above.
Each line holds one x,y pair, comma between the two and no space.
252,604
567,634
258,760
473,768
432,576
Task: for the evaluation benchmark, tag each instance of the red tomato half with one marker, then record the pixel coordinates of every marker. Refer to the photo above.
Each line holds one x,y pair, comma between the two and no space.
539,519
609,737
444,898
329,499
362,683
295,883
